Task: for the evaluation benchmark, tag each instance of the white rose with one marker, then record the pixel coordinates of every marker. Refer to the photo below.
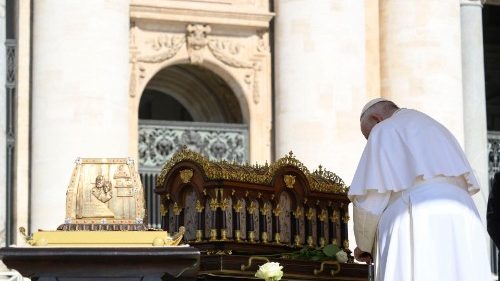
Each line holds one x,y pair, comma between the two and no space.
341,256
271,271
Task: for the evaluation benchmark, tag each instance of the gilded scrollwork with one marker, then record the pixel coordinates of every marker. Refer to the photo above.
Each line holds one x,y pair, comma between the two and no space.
214,204
224,204
323,216
320,180
346,244
289,180
199,208
177,209
335,218
266,209
238,206
310,213
297,213
186,175
346,218
163,210
252,208
277,210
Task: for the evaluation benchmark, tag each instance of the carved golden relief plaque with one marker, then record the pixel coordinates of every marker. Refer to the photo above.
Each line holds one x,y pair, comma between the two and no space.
105,191
104,207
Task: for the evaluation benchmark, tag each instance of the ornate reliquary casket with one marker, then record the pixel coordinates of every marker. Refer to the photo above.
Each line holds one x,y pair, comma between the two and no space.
104,194
234,212
104,207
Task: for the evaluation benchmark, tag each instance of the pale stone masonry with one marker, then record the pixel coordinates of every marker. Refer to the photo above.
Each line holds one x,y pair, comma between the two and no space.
92,60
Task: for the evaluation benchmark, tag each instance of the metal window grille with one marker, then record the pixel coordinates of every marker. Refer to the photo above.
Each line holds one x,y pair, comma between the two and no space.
494,167
10,86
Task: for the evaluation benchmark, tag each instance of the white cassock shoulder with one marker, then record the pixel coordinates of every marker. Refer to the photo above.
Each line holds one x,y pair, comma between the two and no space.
383,164
406,147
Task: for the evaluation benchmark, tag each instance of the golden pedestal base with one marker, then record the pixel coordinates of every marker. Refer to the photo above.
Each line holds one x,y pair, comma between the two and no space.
105,238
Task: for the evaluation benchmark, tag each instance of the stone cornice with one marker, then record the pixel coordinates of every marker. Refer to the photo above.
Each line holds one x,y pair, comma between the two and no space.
235,18
472,3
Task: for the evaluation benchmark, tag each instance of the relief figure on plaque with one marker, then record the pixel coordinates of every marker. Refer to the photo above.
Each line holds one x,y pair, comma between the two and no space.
102,189
101,194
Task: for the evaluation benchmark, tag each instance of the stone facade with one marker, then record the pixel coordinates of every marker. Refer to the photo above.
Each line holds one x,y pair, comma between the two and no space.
92,62
230,38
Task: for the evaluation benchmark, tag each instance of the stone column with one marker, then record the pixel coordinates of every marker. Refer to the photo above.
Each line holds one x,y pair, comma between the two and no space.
80,95
22,125
320,82
421,58
476,136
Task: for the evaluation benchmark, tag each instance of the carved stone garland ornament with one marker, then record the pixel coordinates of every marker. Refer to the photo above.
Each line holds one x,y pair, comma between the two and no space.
220,51
196,40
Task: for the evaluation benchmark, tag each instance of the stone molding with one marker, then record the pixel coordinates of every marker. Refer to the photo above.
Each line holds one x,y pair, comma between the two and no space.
179,14
236,52
479,3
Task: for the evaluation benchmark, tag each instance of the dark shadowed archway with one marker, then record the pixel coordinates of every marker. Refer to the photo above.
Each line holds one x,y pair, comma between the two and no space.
187,105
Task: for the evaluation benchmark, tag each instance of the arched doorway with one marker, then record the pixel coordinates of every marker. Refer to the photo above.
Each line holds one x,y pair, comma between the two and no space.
206,96
187,105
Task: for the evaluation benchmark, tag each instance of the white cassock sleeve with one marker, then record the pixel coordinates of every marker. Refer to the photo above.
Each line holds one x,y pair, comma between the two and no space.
367,210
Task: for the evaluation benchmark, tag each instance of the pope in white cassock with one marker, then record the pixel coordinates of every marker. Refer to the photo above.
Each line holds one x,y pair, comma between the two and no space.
411,192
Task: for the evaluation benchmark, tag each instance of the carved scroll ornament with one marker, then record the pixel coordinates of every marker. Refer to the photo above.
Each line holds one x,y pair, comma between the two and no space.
196,39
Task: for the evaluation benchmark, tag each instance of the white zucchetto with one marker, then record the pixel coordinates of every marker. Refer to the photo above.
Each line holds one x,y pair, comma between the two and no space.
370,104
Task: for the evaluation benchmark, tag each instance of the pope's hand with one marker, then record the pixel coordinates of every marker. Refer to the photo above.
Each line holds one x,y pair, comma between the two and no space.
361,256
